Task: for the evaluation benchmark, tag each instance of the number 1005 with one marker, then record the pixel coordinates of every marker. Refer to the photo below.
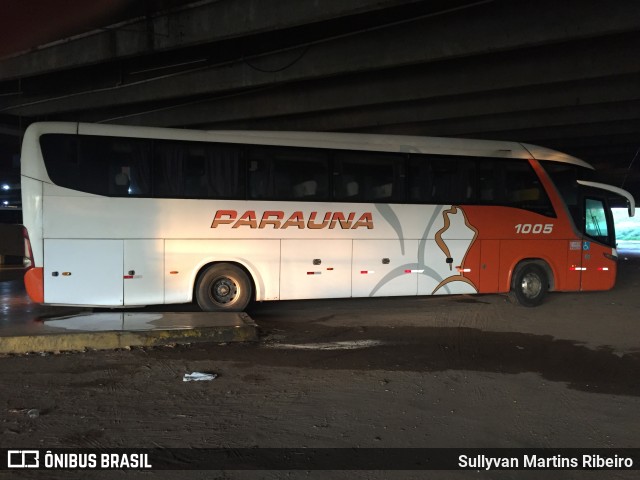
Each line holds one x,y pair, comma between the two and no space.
526,228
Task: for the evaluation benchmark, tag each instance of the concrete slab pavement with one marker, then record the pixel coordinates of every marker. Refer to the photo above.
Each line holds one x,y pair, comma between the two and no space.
28,327
110,330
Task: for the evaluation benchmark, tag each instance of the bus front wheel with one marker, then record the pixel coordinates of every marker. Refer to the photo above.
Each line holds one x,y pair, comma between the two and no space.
223,287
530,285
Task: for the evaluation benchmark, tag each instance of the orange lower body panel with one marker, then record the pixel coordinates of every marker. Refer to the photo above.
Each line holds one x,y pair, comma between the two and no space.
34,283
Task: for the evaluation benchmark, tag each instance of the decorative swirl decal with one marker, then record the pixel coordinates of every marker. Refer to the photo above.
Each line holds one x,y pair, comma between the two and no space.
454,221
447,252
392,219
441,243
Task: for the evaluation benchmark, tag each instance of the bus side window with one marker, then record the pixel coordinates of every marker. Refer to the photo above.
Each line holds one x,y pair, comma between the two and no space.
93,165
131,158
488,182
73,161
491,181
442,179
523,188
60,154
445,177
168,158
198,170
420,180
288,173
308,174
468,173
368,177
224,171
260,174
564,177
269,179
195,181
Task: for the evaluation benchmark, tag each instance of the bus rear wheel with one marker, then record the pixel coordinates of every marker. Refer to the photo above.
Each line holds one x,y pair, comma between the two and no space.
223,287
530,285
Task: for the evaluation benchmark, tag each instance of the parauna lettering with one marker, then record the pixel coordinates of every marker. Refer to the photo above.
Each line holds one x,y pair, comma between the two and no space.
276,219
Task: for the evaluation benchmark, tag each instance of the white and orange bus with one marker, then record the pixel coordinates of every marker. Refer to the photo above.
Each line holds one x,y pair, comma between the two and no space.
132,216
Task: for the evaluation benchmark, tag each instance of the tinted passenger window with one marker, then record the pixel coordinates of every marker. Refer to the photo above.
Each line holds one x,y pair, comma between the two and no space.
60,154
368,177
113,166
116,166
523,188
198,170
288,174
441,179
514,183
565,177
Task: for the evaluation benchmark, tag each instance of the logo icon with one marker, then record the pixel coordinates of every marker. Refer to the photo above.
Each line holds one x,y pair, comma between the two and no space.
23,458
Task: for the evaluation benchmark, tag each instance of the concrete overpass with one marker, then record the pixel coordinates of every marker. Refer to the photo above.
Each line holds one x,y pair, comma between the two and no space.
560,74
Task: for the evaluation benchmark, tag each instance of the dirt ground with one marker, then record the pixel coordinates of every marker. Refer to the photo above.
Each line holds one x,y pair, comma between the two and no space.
457,371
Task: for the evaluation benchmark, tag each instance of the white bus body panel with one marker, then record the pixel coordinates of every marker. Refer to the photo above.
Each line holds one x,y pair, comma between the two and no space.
373,276
300,278
143,272
280,261
86,270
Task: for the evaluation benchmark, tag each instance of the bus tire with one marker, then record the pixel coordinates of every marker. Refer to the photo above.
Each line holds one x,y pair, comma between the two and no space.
223,287
530,285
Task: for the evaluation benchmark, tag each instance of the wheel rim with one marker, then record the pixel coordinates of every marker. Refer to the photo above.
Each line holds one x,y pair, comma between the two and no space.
531,285
224,291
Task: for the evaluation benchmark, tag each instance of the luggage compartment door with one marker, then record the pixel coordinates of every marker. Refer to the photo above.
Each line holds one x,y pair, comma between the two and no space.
143,272
380,268
315,269
83,272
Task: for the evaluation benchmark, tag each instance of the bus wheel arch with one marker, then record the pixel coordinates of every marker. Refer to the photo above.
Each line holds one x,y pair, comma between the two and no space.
532,278
223,286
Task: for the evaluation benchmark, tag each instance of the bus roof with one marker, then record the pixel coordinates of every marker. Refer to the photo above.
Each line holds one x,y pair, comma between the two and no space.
329,140
409,144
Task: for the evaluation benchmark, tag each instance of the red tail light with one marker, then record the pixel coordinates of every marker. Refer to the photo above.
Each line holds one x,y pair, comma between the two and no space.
28,252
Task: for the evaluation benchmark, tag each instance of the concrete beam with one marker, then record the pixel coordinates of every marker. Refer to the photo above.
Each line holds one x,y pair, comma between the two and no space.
544,135
587,143
360,91
532,119
607,152
503,26
194,24
599,120
605,91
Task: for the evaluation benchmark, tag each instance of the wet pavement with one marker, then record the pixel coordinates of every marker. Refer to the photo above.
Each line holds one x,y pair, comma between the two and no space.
16,309
29,327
